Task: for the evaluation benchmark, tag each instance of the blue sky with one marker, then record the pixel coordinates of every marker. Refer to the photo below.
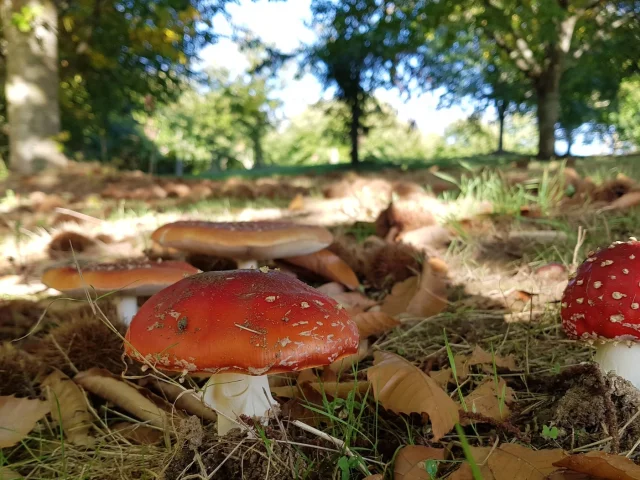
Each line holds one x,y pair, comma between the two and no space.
282,24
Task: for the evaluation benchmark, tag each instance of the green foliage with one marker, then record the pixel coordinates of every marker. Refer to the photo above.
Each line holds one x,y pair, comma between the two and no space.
23,20
627,117
549,433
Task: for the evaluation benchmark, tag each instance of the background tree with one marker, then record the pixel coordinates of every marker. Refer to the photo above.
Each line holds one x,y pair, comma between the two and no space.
538,38
112,55
31,83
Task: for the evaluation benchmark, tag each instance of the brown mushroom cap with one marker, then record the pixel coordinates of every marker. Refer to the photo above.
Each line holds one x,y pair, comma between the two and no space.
253,322
262,240
139,278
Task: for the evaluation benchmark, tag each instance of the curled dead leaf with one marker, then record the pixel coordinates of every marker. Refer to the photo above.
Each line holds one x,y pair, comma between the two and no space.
511,461
138,433
137,401
340,389
353,302
185,400
601,465
18,416
8,474
328,265
479,356
374,323
422,297
69,407
626,201
403,388
410,462
490,401
442,377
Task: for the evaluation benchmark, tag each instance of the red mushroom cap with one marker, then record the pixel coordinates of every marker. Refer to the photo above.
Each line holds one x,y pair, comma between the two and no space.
602,300
255,322
134,277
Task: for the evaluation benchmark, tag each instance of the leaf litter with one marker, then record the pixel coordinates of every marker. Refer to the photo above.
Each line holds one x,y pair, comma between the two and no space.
456,331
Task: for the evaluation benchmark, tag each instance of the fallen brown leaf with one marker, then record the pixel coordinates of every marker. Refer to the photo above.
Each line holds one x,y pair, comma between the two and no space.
377,476
69,407
601,465
340,389
410,462
511,462
431,295
488,401
399,297
138,433
331,288
442,377
8,474
435,236
479,356
328,265
374,323
297,203
628,200
403,388
353,302
146,407
187,401
423,297
18,416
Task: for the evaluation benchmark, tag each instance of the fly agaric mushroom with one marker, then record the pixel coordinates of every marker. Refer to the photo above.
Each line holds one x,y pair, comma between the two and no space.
240,326
601,305
130,279
244,242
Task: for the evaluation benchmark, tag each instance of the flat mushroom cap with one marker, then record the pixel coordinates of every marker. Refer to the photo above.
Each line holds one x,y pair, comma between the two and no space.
253,322
602,301
139,278
263,240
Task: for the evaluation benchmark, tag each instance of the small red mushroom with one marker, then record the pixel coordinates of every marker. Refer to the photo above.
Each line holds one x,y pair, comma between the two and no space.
601,305
239,326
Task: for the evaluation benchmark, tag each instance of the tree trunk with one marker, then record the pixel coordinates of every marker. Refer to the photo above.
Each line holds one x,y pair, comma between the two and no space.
569,135
502,113
258,154
354,131
548,112
32,84
548,89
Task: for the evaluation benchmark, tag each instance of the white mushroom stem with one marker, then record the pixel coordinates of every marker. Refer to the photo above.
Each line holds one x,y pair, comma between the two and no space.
621,358
127,307
247,264
235,394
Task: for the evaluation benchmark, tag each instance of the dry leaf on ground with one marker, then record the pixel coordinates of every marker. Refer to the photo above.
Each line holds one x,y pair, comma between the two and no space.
353,302
628,200
511,462
410,462
602,465
69,407
185,400
488,401
340,389
123,394
374,323
138,433
423,297
479,356
328,265
18,416
8,474
442,377
377,476
403,388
